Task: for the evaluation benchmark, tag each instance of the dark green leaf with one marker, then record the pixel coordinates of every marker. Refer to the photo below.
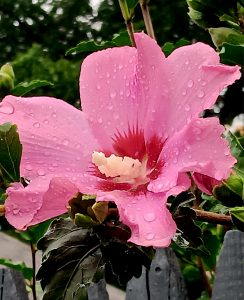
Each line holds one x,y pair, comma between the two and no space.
10,153
238,151
120,39
25,87
169,47
132,4
232,54
184,218
26,271
211,242
126,261
71,261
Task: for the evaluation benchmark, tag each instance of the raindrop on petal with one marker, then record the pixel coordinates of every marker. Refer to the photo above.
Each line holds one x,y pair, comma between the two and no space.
200,94
65,142
190,83
150,236
149,217
36,124
187,107
6,108
41,172
28,167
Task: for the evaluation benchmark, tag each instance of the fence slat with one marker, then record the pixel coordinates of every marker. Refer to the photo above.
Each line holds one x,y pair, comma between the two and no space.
229,277
98,291
163,281
12,286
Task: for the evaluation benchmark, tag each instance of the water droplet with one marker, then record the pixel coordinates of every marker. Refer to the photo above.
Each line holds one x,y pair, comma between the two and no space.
149,217
184,93
200,94
150,236
187,107
107,75
32,199
6,108
187,62
110,107
203,83
116,116
190,83
113,94
16,210
45,122
36,124
65,142
54,115
28,167
77,146
120,66
41,172
98,87
100,120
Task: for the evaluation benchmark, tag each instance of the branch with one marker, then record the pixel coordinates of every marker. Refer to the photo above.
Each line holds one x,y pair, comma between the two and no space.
210,217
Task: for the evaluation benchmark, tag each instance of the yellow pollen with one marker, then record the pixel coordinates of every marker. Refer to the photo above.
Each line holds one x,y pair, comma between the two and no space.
125,169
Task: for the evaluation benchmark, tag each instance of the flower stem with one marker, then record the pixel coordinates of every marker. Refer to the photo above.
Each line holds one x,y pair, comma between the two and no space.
205,279
33,285
147,18
128,20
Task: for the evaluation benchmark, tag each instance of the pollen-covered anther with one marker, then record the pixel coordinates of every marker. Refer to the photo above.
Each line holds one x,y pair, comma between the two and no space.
116,166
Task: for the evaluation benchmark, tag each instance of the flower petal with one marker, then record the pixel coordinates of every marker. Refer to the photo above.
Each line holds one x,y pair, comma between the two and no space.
205,183
128,80
198,147
107,91
55,136
42,199
150,221
196,78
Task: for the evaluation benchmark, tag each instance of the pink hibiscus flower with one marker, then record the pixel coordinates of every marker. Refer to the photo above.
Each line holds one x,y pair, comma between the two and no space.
137,137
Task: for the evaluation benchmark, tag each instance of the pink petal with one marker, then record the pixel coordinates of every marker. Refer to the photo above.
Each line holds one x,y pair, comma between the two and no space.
41,200
107,91
55,136
205,183
117,86
195,80
150,221
198,147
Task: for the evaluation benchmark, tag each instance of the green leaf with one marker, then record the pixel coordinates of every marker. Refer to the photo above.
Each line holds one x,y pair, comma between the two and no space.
238,212
222,35
25,87
71,261
121,39
34,233
84,221
232,54
211,242
169,47
238,151
132,4
26,271
10,153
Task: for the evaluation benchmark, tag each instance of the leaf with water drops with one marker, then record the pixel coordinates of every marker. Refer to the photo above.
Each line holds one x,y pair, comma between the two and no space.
71,261
25,87
10,153
237,150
